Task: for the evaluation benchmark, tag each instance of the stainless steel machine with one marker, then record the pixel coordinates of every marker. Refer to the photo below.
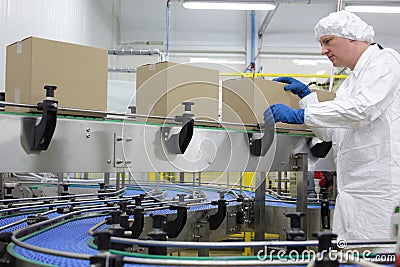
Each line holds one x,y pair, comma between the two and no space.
124,218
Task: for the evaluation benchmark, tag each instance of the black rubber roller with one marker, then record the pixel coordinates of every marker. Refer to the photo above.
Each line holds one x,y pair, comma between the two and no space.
50,90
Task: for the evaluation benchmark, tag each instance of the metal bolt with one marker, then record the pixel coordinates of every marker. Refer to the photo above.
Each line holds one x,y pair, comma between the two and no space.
128,162
87,135
54,105
128,139
109,161
119,138
87,130
118,161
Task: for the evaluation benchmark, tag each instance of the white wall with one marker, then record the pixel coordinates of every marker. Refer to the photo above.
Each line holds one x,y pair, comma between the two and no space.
87,22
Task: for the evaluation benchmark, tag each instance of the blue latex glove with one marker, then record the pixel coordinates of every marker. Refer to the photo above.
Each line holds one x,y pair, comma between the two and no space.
283,113
295,86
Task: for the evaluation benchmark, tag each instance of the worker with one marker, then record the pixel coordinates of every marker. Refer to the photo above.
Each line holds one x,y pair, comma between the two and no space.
363,123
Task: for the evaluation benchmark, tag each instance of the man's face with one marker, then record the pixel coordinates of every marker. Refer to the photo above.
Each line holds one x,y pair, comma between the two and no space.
337,49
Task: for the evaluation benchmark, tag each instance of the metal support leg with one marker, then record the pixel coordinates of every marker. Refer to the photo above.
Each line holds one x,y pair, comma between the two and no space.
60,179
106,179
241,182
182,177
117,182
259,206
199,178
300,164
279,183
123,174
158,178
203,234
3,177
194,184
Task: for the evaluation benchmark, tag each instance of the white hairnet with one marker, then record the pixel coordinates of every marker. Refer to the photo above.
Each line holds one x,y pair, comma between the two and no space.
344,24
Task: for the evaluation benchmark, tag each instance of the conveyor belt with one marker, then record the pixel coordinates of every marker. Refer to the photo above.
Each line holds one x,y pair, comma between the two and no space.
273,201
77,230
12,219
173,191
76,242
55,238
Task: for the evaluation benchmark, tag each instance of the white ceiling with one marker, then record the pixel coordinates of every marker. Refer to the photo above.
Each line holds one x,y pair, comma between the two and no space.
290,30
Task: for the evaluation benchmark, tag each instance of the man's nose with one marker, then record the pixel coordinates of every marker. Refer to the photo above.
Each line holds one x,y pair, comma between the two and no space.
324,51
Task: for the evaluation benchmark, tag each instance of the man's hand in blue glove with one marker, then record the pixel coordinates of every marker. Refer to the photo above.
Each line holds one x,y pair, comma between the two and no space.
295,86
283,113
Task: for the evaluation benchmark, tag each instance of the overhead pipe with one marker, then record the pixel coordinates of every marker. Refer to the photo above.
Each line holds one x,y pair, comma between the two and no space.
126,70
167,28
266,21
252,62
123,51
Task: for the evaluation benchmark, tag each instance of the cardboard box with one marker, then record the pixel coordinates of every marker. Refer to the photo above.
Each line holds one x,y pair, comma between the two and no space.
244,100
322,96
79,72
162,87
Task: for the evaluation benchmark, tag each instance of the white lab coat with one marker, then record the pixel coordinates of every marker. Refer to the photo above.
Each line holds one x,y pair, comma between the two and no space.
363,123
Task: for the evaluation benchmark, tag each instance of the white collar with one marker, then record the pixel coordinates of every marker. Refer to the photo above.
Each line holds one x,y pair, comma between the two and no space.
364,59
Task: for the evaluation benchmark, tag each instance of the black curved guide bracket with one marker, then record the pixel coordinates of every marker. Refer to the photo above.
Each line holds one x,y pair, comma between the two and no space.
38,137
216,220
320,150
178,143
260,146
138,223
174,227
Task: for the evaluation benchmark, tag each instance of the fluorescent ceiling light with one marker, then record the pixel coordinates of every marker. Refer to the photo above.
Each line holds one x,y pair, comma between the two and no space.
255,5
373,9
